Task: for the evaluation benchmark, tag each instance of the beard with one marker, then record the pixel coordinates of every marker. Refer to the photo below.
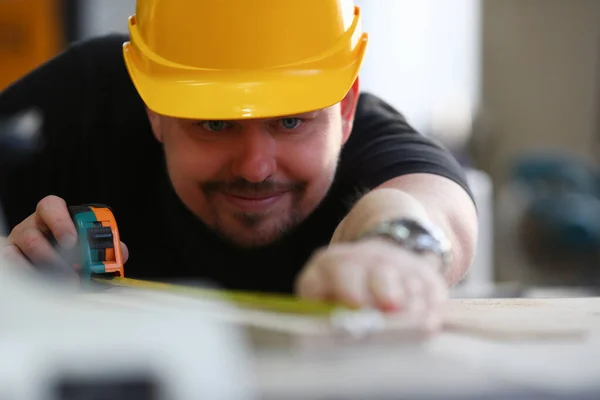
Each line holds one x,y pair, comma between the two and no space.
258,229
261,229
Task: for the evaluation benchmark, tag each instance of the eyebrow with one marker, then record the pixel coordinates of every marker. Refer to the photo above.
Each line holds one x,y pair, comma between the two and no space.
308,114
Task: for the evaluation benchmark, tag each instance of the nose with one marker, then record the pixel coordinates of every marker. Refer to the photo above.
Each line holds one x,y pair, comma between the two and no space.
255,160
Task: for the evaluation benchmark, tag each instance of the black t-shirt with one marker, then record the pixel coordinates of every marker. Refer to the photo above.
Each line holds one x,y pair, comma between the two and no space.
98,148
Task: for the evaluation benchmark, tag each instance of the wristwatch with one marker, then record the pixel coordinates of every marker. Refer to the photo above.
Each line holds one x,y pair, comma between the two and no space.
415,236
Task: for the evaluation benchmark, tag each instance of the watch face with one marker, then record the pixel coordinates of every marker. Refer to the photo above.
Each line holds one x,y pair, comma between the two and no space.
415,234
401,231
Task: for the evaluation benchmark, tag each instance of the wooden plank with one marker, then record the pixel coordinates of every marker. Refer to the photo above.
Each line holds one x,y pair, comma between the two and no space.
524,318
500,319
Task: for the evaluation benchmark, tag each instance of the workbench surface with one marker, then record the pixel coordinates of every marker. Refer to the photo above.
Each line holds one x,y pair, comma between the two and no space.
491,348
488,349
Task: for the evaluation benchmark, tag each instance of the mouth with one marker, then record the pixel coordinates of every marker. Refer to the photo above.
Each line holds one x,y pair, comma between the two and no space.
253,202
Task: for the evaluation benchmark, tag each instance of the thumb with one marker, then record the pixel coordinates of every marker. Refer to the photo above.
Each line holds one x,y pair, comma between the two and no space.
124,252
310,285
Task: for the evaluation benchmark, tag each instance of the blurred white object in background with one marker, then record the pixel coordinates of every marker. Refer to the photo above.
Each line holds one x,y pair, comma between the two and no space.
423,56
452,121
57,343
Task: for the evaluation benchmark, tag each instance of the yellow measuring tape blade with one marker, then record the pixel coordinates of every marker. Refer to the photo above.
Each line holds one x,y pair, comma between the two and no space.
255,300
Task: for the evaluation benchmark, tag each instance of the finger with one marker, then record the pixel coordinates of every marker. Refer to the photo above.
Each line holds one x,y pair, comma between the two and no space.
13,255
438,291
415,294
52,212
31,222
348,283
386,288
435,288
35,246
124,252
310,284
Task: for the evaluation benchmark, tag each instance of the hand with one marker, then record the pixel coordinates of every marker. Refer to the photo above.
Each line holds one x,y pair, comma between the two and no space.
28,243
377,274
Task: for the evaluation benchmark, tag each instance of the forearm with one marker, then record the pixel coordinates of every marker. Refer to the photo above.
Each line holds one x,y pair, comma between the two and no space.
431,199
376,206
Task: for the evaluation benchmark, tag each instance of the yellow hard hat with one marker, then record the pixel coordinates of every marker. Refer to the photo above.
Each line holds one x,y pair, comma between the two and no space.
233,59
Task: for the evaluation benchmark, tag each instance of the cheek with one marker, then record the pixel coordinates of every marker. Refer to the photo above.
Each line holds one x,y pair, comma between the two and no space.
188,162
315,160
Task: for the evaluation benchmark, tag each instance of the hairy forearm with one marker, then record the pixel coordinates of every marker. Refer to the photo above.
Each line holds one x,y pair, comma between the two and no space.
425,198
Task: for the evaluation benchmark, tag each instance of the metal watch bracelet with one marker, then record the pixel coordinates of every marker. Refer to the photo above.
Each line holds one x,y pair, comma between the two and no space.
416,236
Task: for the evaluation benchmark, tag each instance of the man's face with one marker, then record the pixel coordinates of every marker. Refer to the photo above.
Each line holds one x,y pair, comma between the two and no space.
253,180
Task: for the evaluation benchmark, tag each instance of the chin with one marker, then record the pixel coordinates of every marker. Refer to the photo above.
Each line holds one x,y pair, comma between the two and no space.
260,235
252,241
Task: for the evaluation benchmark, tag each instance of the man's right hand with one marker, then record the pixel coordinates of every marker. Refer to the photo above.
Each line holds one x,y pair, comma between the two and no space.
30,241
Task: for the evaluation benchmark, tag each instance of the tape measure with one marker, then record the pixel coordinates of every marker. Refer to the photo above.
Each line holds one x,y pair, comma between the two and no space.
99,250
253,300
100,262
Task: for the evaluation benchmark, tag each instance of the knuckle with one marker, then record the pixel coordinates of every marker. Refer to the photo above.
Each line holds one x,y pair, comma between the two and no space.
12,235
338,269
56,221
31,239
319,258
50,201
330,269
305,283
16,231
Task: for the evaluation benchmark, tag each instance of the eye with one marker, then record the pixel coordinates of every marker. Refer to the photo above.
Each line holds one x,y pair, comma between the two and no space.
290,123
214,126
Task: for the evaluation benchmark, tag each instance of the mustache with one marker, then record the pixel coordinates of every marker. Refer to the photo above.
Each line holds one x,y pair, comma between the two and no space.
240,186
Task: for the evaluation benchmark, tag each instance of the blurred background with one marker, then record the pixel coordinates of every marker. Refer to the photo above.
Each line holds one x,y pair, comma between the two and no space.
511,87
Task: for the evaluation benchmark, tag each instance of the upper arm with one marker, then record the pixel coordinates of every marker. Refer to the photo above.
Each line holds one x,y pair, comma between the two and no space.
383,146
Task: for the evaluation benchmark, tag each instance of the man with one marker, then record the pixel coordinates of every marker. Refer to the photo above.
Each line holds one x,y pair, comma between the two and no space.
234,147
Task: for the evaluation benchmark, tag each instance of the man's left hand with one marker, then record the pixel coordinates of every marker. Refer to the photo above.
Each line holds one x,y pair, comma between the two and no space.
378,274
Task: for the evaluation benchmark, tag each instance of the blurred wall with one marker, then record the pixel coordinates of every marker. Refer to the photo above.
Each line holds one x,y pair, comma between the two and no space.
423,57
540,79
99,17
540,91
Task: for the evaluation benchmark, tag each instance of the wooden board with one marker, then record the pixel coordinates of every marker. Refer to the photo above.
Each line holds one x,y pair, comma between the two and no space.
500,319
524,318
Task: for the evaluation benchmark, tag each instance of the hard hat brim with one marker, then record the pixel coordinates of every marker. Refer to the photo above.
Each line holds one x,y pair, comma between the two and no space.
223,95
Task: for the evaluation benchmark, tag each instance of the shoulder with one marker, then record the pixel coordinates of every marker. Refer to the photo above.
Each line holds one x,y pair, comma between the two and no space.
374,120
370,105
375,117
383,145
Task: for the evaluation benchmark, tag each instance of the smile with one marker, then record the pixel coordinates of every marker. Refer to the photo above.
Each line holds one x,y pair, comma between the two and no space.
253,202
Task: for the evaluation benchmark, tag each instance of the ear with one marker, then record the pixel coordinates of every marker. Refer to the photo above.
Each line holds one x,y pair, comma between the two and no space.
155,123
348,110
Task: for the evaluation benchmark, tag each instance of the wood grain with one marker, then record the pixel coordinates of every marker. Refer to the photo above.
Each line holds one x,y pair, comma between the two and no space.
524,318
